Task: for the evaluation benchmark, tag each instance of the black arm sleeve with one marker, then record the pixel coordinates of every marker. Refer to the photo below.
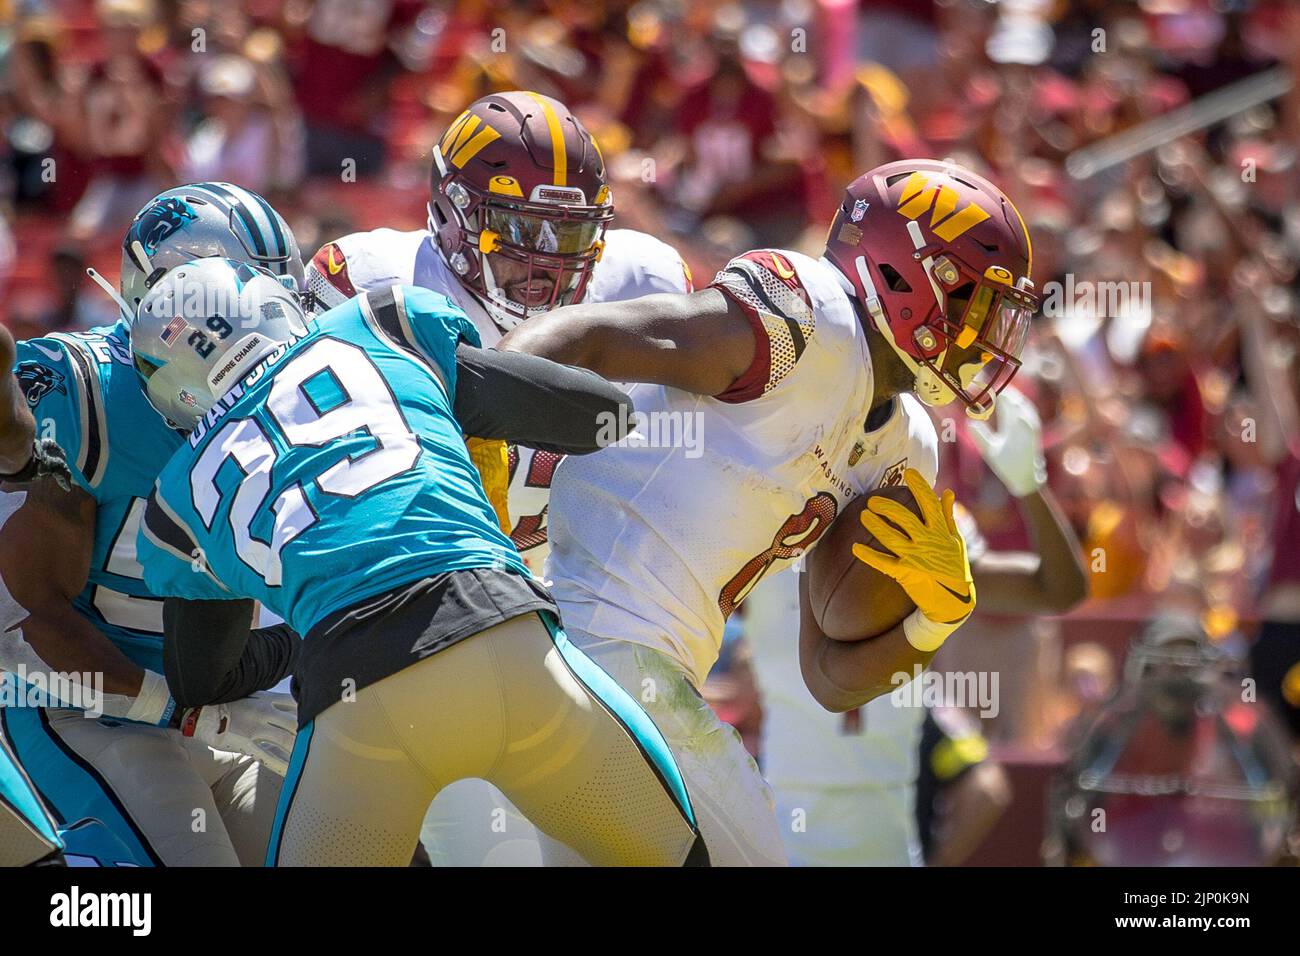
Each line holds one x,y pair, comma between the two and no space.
537,403
210,656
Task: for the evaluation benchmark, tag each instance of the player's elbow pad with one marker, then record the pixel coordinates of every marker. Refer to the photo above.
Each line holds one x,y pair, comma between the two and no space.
537,403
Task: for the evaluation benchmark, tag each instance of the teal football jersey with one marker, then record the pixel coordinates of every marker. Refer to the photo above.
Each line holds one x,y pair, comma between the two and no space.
85,394
335,471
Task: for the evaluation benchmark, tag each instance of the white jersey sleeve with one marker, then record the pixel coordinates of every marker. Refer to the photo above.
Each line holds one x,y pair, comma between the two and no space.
362,261
634,264
781,313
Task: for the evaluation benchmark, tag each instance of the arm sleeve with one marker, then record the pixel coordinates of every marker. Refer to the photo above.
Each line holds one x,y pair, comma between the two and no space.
530,401
210,656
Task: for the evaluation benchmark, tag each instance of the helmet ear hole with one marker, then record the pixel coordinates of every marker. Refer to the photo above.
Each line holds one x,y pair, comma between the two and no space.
893,279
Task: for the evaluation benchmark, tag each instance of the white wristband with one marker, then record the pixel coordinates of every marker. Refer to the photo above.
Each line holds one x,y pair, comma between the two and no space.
154,704
927,635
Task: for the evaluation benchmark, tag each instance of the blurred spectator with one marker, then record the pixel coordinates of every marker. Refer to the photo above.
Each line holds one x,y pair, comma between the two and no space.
241,140
122,121
961,792
344,59
78,305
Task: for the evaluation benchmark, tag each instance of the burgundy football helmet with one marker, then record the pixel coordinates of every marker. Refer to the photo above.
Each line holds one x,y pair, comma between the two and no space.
940,259
520,204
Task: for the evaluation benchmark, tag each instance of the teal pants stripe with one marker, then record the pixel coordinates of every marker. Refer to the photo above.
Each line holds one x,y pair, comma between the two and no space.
301,745
16,791
628,712
70,786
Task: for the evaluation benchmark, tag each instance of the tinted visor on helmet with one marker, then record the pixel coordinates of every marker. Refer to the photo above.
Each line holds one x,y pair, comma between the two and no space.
984,346
550,251
554,237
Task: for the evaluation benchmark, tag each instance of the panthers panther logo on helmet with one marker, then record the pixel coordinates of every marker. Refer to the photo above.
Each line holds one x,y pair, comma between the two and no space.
37,381
155,224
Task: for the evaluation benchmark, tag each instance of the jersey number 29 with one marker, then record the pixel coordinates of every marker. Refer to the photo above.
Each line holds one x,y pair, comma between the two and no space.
367,408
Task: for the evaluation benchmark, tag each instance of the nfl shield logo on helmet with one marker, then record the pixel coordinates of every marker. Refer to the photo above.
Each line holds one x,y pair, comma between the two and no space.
187,398
859,210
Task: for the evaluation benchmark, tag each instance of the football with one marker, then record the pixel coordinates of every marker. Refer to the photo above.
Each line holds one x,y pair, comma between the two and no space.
852,601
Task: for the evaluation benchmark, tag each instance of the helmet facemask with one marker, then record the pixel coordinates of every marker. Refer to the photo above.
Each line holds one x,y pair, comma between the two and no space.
974,357
521,257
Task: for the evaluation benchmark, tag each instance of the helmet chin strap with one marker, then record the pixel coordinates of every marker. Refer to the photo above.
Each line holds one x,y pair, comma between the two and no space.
928,381
127,312
496,302
930,388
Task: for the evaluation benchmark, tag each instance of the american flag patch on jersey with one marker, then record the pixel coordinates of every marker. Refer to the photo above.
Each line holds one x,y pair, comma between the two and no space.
174,327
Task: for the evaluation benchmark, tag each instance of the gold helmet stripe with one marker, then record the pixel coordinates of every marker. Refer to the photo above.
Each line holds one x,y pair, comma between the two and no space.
559,157
1029,245
467,152
452,137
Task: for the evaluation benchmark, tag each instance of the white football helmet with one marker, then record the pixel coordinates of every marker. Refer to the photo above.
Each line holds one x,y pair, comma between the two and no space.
200,220
201,327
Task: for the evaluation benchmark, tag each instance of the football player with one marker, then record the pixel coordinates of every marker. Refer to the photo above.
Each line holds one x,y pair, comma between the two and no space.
850,779
27,832
805,378
518,224
74,600
331,482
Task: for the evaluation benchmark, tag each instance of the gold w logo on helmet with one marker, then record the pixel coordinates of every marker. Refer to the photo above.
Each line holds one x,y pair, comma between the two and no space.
945,220
465,137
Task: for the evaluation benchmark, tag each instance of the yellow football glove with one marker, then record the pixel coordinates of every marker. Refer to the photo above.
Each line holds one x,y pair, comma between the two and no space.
491,459
931,564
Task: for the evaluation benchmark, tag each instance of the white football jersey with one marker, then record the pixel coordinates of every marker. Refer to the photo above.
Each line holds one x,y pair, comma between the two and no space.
633,264
655,541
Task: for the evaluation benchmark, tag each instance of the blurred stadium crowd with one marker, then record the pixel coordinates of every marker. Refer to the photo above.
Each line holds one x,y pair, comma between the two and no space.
1164,366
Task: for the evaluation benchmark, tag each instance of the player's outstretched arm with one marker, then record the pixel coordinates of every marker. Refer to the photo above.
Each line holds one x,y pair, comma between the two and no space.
212,655
534,402
1048,580
701,342
842,675
218,668
45,552
1051,578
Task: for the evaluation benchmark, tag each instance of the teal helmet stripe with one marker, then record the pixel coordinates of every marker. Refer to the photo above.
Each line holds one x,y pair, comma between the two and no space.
273,219
234,204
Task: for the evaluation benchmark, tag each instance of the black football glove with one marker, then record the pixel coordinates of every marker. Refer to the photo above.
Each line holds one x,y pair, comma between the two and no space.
48,459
